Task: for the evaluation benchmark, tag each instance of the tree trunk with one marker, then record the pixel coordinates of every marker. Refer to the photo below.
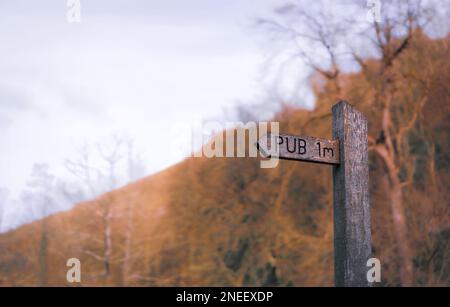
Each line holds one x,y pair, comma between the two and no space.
400,228
398,218
43,243
107,238
128,253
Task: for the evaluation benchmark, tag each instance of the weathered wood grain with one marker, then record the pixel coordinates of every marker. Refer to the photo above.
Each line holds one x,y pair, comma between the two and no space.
301,148
352,233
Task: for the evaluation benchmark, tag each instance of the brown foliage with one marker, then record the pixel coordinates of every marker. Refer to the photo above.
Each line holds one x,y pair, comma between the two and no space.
227,222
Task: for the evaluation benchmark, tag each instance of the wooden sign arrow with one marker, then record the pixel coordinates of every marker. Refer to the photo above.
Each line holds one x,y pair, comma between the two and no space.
301,148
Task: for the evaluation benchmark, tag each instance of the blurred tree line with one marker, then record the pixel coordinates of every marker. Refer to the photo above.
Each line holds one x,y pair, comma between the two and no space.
227,222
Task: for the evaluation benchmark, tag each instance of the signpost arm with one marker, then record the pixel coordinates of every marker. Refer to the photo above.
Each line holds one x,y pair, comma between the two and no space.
352,234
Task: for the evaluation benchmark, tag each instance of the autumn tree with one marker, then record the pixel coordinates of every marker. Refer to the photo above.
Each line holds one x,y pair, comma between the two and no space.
331,39
40,197
101,169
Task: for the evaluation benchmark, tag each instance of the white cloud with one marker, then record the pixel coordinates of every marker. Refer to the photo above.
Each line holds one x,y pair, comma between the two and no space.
130,66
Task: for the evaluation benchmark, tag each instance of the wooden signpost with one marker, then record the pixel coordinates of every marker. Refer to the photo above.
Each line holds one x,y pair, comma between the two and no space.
301,148
348,153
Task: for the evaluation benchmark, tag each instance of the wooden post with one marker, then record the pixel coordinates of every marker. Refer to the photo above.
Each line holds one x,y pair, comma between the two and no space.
352,234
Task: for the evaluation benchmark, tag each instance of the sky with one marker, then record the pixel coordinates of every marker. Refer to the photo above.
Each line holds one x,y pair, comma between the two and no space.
146,69
141,68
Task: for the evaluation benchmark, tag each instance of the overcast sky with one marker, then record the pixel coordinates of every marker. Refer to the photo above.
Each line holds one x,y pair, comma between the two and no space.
139,67
148,69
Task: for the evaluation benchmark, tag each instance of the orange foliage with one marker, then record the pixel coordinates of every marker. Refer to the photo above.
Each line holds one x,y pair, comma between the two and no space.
226,222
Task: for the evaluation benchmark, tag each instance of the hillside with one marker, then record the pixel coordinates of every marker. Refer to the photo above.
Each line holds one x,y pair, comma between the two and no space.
227,222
